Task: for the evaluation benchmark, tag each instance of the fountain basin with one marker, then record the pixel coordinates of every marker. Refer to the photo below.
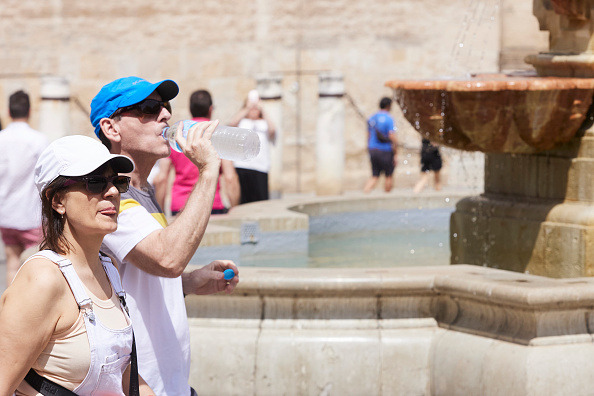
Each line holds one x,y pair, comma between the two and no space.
455,330
496,113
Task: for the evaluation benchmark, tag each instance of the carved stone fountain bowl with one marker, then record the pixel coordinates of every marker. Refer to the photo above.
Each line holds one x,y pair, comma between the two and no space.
496,113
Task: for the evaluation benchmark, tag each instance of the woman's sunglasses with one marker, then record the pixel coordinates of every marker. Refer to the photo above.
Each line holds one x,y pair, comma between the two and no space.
99,184
147,107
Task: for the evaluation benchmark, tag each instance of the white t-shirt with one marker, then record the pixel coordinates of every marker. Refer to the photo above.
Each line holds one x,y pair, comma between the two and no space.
262,161
20,205
156,304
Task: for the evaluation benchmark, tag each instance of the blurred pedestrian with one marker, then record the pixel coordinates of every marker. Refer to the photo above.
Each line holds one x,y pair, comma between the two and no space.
381,143
430,162
186,173
20,205
253,174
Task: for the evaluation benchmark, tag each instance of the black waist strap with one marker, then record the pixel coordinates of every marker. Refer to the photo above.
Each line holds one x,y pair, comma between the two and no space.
45,386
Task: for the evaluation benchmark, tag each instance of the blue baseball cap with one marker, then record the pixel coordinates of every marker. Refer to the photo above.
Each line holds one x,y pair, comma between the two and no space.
125,92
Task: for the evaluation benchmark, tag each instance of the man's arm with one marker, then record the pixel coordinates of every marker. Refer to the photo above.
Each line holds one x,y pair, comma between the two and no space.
166,252
271,127
394,140
230,182
238,116
392,135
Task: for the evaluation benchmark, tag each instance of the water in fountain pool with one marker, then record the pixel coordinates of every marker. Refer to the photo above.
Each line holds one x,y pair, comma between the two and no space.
370,239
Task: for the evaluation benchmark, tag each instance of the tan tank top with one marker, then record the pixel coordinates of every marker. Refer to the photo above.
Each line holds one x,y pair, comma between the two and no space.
66,358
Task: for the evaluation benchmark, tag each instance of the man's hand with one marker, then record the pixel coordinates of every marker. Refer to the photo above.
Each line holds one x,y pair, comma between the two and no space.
209,279
198,147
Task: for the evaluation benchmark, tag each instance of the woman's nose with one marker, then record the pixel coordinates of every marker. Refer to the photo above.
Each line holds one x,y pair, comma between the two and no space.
111,190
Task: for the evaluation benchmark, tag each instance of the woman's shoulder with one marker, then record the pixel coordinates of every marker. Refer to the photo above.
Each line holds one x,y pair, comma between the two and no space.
42,275
39,297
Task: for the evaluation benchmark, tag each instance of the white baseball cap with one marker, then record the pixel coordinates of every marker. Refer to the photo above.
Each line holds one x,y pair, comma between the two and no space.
76,155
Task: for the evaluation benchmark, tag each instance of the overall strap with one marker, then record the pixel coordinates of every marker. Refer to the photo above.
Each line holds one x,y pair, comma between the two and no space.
113,275
76,285
116,283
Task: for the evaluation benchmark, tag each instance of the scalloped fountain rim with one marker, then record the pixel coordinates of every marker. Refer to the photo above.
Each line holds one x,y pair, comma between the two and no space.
495,82
498,113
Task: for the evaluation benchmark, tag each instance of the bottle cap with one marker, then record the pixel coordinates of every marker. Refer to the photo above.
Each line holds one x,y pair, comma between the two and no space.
228,274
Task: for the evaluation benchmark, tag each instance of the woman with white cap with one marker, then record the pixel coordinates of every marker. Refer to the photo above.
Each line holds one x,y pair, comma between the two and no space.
63,322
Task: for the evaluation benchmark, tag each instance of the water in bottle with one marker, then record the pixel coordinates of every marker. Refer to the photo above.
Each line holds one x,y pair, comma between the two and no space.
235,144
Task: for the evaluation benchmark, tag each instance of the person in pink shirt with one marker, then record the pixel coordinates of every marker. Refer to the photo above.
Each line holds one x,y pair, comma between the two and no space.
186,172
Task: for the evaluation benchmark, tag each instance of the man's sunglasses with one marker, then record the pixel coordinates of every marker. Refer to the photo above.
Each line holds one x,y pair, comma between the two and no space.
147,106
99,184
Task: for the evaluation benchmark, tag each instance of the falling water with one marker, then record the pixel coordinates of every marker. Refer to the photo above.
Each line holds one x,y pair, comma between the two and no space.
467,57
476,28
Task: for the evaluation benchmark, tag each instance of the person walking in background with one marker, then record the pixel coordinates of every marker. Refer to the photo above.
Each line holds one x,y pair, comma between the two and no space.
253,174
20,206
62,320
129,115
430,161
382,145
186,173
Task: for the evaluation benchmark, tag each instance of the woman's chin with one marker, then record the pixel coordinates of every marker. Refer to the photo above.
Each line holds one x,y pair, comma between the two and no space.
109,226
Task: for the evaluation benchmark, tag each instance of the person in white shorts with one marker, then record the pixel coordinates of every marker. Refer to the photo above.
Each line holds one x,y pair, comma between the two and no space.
20,206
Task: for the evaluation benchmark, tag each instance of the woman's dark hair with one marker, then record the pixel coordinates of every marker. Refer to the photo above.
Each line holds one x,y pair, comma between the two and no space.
52,222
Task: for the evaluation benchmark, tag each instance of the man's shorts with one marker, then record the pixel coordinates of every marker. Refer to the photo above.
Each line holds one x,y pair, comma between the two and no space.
431,161
23,238
381,161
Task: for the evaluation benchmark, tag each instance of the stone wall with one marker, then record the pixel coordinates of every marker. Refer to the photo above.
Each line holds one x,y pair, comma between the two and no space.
222,45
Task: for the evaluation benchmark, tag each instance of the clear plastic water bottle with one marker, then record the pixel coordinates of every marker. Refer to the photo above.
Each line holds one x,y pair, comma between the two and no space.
235,144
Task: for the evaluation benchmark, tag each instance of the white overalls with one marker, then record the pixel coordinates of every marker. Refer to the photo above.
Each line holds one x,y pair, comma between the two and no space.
110,349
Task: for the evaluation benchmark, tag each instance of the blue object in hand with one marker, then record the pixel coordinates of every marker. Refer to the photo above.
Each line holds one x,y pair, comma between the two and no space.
229,274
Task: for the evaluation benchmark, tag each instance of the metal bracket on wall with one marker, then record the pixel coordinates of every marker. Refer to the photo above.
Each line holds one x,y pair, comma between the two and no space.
250,233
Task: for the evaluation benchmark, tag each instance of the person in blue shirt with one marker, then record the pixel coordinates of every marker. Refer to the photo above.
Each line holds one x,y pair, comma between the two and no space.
382,146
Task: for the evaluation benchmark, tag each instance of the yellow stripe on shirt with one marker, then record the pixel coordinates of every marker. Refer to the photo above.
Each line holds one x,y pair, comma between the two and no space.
131,203
127,204
160,217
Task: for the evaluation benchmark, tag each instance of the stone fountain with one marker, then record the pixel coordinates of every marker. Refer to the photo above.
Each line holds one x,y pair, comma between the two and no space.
536,214
453,330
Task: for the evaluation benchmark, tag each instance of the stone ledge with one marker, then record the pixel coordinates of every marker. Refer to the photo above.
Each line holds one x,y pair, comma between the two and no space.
493,303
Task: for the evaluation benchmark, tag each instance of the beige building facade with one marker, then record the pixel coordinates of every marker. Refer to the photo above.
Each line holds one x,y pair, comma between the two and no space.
224,45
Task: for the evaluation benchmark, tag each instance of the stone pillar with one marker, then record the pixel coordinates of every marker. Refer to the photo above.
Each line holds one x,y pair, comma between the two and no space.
330,135
54,118
270,89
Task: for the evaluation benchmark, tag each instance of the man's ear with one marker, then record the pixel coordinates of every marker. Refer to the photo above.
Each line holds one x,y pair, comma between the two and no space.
110,129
